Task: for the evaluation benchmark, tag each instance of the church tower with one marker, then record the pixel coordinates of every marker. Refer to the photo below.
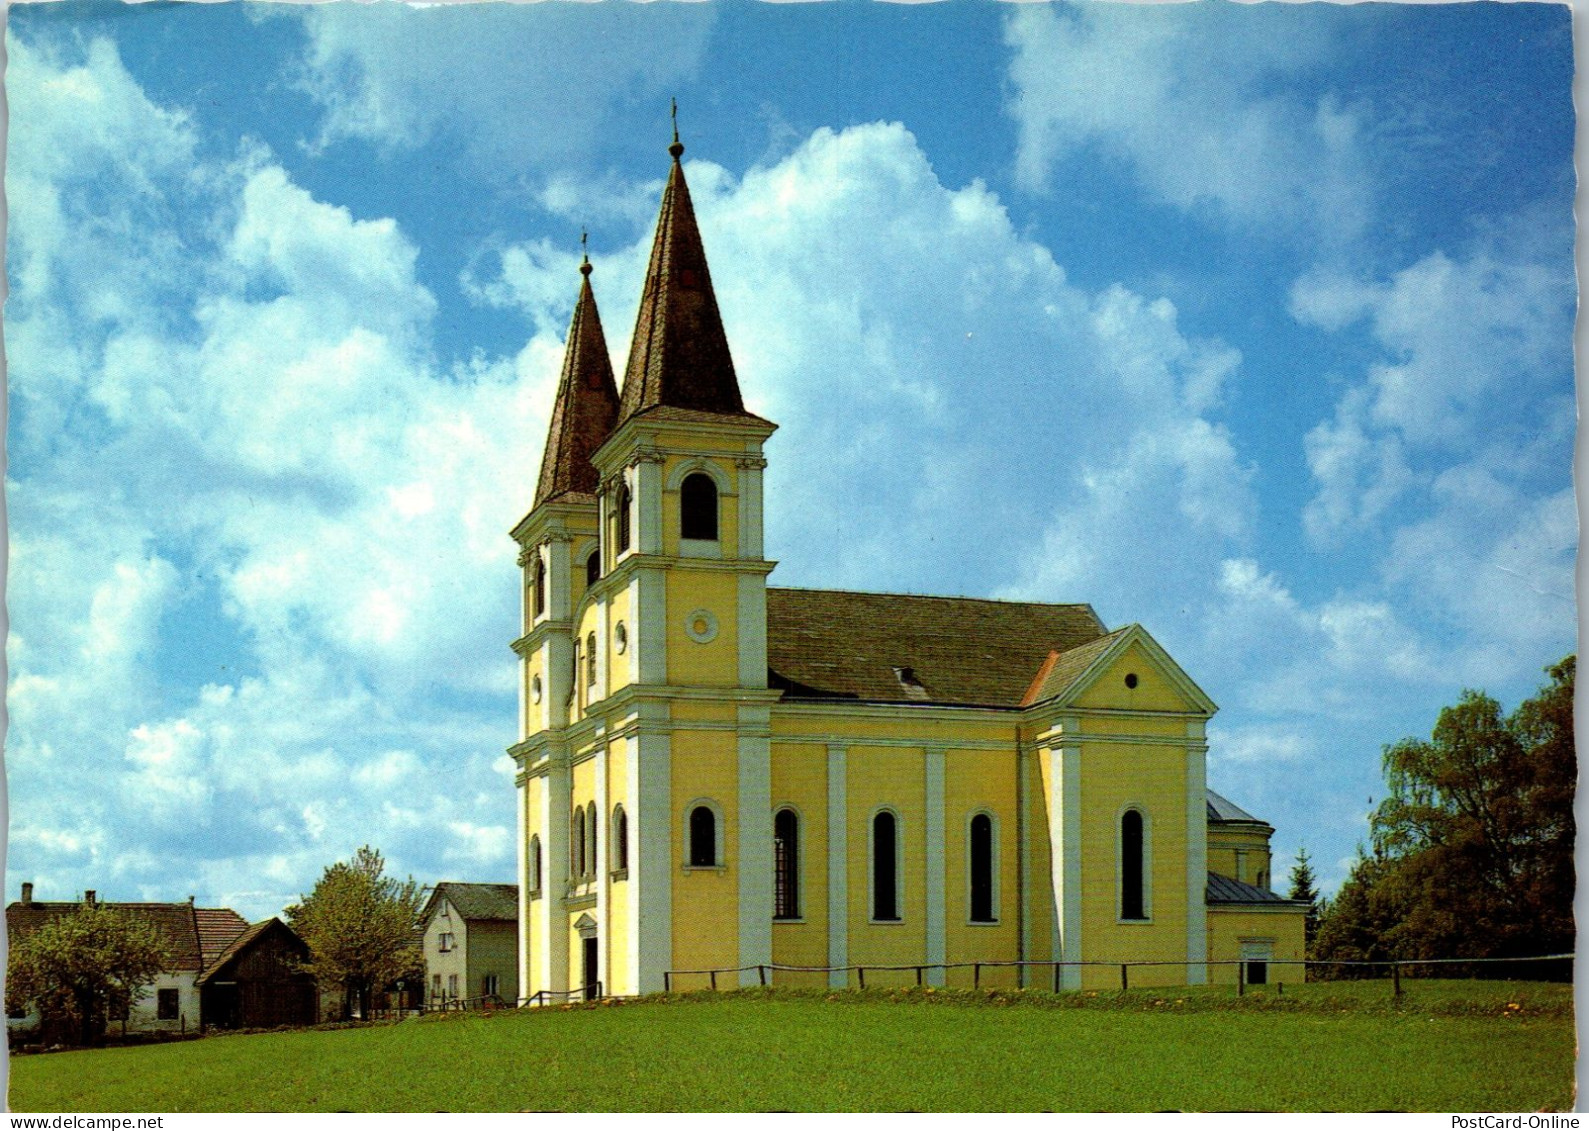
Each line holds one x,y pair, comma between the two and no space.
645,752
560,558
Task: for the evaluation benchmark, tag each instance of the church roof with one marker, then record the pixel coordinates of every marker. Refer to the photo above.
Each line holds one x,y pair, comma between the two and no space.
894,647
477,901
1223,889
679,354
1220,809
586,408
193,936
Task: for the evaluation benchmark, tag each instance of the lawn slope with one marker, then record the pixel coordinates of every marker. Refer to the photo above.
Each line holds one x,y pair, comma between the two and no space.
1453,1047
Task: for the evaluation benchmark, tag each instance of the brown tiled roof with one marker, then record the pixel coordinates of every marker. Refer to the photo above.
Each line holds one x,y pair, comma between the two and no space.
238,944
586,407
477,901
217,927
178,924
893,647
679,354
1071,663
666,413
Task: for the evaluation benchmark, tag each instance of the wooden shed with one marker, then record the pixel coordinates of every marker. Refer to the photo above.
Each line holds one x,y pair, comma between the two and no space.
256,982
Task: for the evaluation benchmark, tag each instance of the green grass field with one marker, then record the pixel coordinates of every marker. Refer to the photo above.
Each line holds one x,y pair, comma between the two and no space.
1452,1046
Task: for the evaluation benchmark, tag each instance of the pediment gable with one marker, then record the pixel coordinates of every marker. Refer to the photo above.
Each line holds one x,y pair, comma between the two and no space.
1125,670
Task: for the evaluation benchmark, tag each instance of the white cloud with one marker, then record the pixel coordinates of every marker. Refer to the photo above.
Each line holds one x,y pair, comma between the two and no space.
1196,104
511,84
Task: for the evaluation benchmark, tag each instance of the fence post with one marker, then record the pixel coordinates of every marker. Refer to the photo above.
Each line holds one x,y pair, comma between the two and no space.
714,981
667,981
1056,977
976,975
1241,978
762,971
860,972
918,977
1395,978
1124,982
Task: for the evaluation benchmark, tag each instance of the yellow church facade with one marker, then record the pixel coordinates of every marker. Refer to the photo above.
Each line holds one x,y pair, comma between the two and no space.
719,775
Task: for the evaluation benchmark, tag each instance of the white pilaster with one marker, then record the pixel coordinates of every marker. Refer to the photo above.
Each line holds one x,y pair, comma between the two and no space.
1196,857
752,630
522,814
603,878
755,840
648,505
651,859
934,885
550,921
1065,854
838,865
750,513
649,639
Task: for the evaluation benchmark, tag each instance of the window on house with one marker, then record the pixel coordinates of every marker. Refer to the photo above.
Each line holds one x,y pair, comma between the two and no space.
625,501
1257,973
445,942
535,864
166,1005
538,585
576,844
488,986
593,567
590,833
698,508
786,865
590,660
885,867
452,986
703,837
435,987
620,839
980,850
1133,905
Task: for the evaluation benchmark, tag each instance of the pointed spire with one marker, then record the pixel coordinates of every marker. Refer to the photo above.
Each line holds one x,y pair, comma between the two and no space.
679,355
586,409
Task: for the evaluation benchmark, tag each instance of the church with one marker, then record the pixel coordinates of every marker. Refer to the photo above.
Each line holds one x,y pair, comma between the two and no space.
715,774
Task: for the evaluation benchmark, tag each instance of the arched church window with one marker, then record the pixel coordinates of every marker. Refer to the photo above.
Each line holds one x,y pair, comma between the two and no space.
590,833
625,505
535,864
593,567
538,586
590,659
980,849
786,865
703,837
620,839
576,844
1133,905
885,867
698,508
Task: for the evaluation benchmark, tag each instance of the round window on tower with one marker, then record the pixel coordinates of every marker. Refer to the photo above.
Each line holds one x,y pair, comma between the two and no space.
535,689
701,626
620,638
1131,679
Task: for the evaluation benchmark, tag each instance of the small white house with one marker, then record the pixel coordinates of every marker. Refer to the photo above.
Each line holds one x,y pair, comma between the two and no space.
194,937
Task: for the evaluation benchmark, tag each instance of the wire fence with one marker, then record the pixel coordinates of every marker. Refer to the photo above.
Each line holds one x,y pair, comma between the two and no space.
1248,971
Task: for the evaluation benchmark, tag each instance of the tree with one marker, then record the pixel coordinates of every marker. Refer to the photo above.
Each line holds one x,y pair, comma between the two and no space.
1472,848
77,969
359,926
1304,889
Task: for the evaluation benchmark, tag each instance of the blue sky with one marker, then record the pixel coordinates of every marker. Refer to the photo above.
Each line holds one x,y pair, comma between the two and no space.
1249,324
